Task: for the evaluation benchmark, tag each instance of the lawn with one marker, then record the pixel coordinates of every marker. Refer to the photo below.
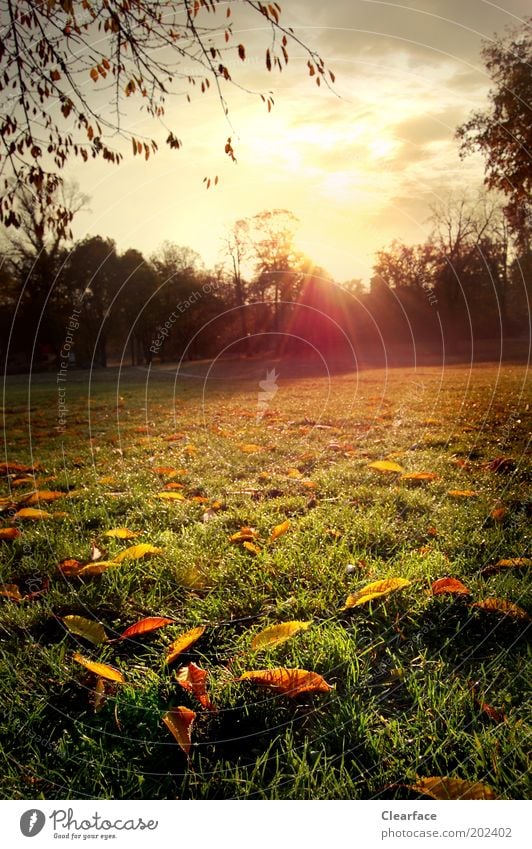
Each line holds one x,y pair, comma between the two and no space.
262,507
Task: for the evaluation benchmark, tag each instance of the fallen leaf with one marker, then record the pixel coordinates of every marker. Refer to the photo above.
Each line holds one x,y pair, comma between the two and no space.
70,566
184,642
135,552
10,468
245,534
179,722
288,682
294,473
11,591
250,546
173,485
100,669
99,695
419,477
86,628
279,530
498,514
32,513
9,533
502,464
449,585
453,788
171,496
194,679
377,589
507,563
250,448
462,493
386,466
144,626
501,605
121,533
96,568
275,634
42,495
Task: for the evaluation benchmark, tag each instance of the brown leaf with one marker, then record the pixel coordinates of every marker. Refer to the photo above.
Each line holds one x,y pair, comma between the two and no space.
194,679
453,788
184,642
507,563
449,585
288,682
417,478
179,722
11,591
502,605
145,626
462,493
502,464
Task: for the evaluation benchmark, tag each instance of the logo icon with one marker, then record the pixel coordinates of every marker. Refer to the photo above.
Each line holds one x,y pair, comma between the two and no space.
268,389
32,822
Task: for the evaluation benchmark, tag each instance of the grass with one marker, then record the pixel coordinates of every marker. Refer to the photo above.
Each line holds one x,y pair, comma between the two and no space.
411,672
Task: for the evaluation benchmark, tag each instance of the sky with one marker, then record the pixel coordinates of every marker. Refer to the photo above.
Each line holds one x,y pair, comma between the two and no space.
359,165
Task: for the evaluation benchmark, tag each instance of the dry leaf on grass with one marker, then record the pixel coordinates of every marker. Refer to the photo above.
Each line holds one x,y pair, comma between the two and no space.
377,589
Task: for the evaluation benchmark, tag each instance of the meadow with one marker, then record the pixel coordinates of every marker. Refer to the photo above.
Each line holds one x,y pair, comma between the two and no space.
333,505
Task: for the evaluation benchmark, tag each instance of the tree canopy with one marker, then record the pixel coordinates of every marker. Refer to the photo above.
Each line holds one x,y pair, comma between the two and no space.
503,133
67,68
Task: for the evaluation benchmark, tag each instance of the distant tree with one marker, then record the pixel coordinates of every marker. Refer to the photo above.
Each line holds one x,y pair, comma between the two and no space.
238,249
68,67
503,133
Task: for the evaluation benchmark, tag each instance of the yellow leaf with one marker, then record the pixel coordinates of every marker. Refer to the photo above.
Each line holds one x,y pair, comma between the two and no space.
453,788
250,546
100,669
288,682
184,642
179,722
275,634
462,493
502,605
32,513
96,568
514,562
386,466
135,552
171,496
279,530
377,589
294,473
121,533
87,628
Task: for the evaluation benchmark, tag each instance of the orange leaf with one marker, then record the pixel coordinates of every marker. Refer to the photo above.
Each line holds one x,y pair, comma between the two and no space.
419,477
462,493
449,585
288,682
507,563
9,533
179,722
42,495
144,626
193,679
69,566
100,669
10,468
502,605
250,546
32,513
184,642
244,535
279,530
